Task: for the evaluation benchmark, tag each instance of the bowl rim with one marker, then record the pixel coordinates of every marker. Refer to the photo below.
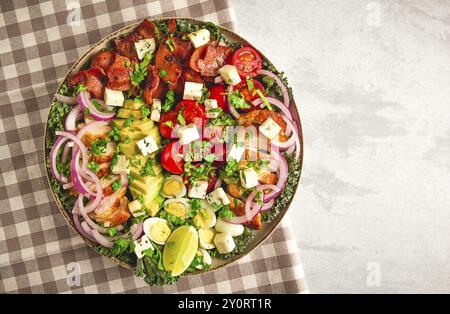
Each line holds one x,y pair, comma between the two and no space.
272,225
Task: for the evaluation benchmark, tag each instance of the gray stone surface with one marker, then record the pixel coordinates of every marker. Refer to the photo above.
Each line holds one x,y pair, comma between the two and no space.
372,80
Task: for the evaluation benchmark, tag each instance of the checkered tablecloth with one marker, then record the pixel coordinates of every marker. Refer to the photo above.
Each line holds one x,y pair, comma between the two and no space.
39,41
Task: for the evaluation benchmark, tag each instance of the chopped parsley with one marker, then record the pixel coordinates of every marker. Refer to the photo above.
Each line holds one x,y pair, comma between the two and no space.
169,124
180,118
264,99
145,112
237,100
93,165
225,212
140,70
116,185
171,44
114,134
127,140
162,73
112,231
250,84
168,103
98,147
224,118
148,169
129,121
79,88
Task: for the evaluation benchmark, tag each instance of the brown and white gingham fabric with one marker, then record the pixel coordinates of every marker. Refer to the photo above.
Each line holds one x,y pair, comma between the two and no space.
37,248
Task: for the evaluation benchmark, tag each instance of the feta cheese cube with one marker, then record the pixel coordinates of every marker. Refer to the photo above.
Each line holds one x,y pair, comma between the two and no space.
270,129
218,198
198,189
147,145
188,134
249,178
211,108
156,110
135,208
114,97
121,167
142,245
143,46
230,74
200,37
235,152
192,90
224,242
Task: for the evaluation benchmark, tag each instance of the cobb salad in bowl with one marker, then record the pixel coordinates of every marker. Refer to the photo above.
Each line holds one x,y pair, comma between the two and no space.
169,146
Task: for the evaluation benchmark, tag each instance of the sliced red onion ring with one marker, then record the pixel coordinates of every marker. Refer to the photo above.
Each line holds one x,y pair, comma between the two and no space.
99,192
53,155
294,139
250,211
276,103
71,119
88,220
278,81
69,100
137,230
232,110
80,145
67,185
84,100
101,239
267,205
218,184
81,229
124,179
282,178
65,153
75,174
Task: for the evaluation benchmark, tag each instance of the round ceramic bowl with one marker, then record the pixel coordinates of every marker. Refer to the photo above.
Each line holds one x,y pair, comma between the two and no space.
231,36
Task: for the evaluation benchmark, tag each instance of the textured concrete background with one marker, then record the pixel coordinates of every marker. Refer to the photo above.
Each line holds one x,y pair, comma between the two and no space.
372,80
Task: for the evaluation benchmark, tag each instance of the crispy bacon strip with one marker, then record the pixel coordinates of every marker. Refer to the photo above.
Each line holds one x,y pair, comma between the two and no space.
151,84
119,74
93,79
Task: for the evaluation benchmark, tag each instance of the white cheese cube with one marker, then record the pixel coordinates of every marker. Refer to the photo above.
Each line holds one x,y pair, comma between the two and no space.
143,46
224,242
192,90
218,198
142,245
156,110
113,97
198,189
135,208
230,74
249,178
211,108
200,37
235,152
121,167
147,145
270,129
188,134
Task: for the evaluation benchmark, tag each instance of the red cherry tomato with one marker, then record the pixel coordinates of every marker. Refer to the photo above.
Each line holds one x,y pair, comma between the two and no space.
247,61
219,93
166,124
191,110
171,158
250,95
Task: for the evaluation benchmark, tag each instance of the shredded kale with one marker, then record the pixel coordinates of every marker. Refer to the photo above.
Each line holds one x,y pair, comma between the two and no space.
288,193
148,268
270,85
241,242
56,120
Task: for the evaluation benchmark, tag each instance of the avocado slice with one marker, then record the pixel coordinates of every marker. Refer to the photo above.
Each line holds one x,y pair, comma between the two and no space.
133,104
134,135
126,113
129,149
151,189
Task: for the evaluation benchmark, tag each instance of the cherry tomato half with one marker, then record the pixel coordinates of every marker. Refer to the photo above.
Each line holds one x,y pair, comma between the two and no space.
166,124
247,61
219,93
250,95
171,158
191,110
